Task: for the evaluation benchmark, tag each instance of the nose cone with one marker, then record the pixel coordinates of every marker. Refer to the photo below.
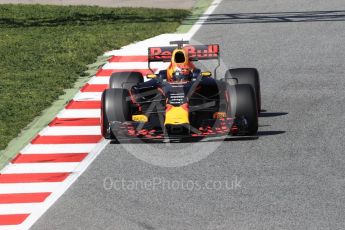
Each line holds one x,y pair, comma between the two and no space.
177,115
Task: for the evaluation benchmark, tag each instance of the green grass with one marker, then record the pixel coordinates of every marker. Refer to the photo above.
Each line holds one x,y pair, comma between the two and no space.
45,49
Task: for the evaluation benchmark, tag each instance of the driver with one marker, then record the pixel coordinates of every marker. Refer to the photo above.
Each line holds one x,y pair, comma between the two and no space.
182,73
180,63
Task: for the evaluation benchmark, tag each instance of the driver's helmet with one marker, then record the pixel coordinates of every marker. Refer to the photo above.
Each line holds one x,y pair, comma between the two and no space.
182,72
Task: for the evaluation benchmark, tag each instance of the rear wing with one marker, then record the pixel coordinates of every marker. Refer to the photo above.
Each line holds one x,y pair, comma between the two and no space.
195,52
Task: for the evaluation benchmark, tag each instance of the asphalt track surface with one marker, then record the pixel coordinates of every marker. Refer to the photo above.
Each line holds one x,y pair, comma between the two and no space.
291,177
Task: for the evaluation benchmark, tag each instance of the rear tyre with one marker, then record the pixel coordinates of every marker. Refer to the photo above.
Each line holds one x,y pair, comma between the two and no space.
248,76
125,80
243,104
115,107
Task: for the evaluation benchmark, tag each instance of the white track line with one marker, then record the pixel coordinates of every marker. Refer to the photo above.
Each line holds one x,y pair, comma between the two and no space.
126,65
8,188
70,130
135,65
195,28
40,167
19,208
80,113
99,81
104,80
57,148
11,227
88,96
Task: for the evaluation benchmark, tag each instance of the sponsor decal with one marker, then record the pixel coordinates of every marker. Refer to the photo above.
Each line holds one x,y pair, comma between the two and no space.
199,52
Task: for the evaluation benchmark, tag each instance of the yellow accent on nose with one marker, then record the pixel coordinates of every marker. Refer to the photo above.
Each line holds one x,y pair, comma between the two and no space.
218,115
176,116
140,118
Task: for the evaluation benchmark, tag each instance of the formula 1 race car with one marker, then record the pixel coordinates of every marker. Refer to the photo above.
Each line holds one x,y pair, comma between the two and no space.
181,101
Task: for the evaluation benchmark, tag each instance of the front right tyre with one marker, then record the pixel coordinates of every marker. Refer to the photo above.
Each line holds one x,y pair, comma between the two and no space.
125,80
115,106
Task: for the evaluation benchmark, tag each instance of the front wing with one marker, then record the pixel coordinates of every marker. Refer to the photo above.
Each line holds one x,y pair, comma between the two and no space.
209,128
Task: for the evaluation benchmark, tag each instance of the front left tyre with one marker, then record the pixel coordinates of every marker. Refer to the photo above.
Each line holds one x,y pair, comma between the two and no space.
248,76
243,105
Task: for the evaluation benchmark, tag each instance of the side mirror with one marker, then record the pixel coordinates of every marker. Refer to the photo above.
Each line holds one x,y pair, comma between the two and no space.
206,74
151,76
